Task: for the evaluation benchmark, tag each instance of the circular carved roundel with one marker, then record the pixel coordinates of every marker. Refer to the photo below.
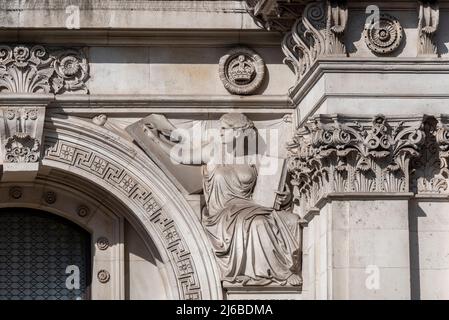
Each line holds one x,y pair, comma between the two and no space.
242,71
385,37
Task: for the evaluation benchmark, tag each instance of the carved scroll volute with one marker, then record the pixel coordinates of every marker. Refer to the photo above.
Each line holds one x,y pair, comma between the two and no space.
429,16
319,32
21,130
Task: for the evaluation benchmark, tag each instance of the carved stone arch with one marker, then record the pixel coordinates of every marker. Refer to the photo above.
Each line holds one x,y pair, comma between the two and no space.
112,163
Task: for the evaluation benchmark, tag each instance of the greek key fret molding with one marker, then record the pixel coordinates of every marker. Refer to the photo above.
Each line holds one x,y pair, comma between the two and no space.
37,69
429,18
336,154
319,32
120,179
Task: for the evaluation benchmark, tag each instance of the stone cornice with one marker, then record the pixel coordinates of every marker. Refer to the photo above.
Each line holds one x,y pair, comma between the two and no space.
144,104
143,37
364,65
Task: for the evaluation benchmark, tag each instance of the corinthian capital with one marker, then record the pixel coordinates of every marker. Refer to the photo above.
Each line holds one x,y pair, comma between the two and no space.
336,154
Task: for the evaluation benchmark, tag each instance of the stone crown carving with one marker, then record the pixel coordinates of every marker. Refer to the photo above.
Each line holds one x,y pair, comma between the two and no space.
242,71
385,36
333,154
36,69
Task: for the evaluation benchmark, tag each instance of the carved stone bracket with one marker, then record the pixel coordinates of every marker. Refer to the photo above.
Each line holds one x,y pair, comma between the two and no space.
336,154
429,16
21,130
431,171
36,69
275,15
318,32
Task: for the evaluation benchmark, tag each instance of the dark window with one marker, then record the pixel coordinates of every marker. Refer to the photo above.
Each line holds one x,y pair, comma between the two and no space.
36,250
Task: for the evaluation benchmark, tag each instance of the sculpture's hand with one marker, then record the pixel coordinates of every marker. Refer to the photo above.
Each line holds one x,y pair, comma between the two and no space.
283,198
159,128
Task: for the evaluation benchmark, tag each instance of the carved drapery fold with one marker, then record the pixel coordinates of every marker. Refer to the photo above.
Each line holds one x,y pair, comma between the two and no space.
36,69
429,16
334,154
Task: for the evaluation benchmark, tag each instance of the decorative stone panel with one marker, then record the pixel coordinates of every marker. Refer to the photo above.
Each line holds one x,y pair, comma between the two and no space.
36,69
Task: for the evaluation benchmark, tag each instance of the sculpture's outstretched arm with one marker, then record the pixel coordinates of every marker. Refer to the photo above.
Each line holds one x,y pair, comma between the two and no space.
175,142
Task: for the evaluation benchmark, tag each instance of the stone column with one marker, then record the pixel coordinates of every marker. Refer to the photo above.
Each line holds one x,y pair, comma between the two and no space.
351,183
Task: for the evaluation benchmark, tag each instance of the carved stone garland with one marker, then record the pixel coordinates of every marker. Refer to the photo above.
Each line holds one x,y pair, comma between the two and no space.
385,36
242,71
333,154
36,69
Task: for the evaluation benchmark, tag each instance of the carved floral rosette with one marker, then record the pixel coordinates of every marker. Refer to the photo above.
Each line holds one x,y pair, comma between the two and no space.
36,69
385,36
333,154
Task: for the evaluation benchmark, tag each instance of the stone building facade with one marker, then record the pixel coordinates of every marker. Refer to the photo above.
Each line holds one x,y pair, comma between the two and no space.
114,116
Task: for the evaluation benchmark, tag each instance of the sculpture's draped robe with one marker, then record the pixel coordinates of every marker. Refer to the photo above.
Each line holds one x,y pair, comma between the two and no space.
254,244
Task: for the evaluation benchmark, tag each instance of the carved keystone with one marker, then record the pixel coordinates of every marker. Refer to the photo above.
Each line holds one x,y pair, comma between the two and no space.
21,131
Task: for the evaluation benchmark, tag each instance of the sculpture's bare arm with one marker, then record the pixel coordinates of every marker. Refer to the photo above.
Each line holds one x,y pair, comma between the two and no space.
166,136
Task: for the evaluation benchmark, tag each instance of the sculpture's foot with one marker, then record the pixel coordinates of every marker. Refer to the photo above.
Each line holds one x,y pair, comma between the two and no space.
294,280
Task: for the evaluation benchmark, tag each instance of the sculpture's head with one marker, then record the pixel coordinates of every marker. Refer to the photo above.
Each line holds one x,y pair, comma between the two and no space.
234,126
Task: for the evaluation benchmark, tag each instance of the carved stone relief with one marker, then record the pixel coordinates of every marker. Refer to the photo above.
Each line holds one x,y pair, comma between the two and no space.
430,171
243,234
319,32
385,36
242,71
429,16
36,69
337,154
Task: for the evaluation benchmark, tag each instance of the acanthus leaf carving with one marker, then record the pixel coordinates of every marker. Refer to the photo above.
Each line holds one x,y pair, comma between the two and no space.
332,154
318,32
36,69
